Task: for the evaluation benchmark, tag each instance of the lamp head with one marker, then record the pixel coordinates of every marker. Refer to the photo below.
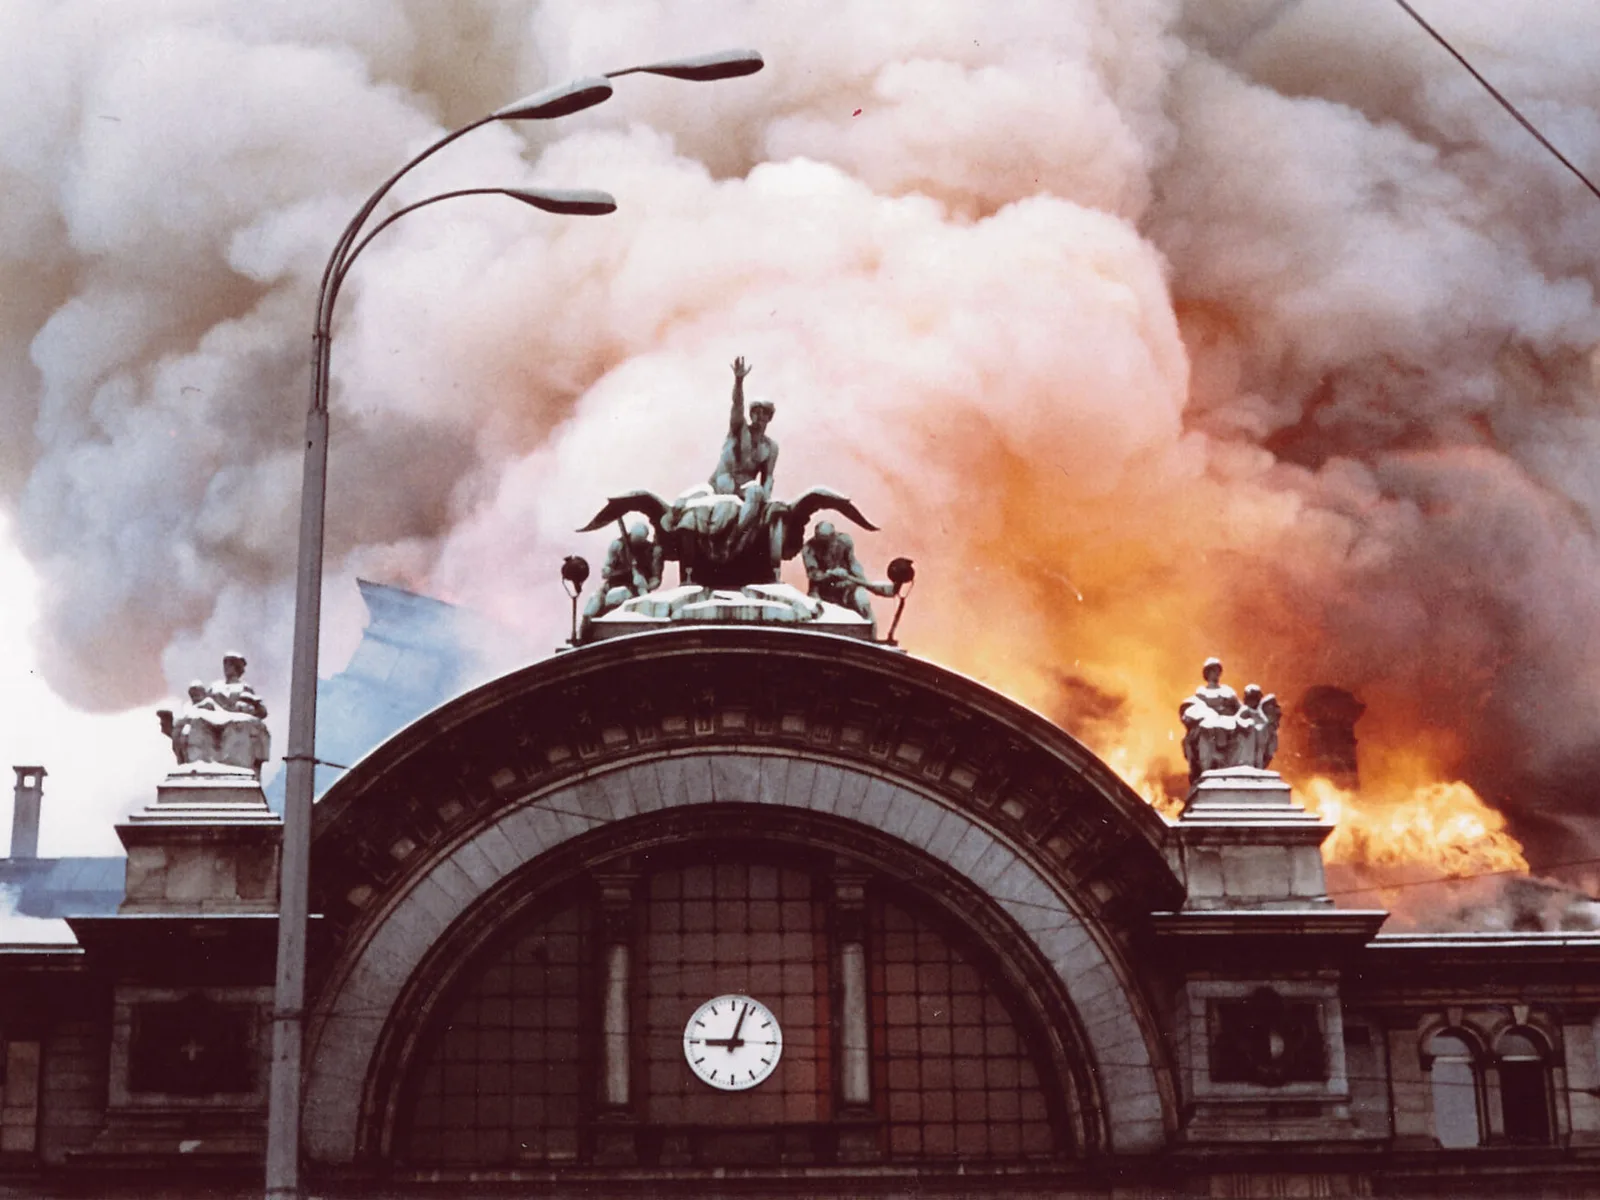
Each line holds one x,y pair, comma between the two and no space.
574,573
572,202
702,68
560,101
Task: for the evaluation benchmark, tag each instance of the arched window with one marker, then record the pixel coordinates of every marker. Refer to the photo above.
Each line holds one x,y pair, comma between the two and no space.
508,1065
1524,1087
1457,1104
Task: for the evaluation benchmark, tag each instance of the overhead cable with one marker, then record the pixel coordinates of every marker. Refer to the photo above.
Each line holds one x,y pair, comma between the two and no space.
1495,92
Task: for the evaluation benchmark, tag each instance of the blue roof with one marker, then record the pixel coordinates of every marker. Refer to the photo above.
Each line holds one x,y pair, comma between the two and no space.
61,887
415,653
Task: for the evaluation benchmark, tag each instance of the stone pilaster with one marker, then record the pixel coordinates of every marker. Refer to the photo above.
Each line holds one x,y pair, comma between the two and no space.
616,1140
1247,844
858,1134
189,954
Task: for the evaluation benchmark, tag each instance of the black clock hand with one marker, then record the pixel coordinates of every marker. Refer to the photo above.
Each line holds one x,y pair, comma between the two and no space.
733,1041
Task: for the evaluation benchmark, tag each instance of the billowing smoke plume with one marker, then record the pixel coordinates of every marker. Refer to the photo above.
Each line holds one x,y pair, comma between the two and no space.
1149,329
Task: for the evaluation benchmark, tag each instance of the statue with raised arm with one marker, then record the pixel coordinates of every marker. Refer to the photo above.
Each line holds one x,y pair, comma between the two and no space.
225,723
728,514
748,456
732,532
836,575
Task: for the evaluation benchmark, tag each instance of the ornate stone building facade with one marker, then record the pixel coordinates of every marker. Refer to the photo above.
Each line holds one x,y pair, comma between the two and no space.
995,969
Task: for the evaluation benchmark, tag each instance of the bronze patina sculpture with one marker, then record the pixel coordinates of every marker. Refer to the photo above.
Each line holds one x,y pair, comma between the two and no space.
731,533
836,575
749,458
632,568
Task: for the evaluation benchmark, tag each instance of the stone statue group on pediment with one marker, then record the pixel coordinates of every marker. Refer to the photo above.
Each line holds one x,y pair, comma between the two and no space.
224,723
1223,730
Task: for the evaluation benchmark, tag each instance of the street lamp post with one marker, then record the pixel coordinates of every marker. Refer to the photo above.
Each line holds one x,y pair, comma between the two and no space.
288,1013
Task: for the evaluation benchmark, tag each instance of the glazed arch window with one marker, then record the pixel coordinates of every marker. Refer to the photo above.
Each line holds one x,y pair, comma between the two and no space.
1456,1083
1523,1064
506,1068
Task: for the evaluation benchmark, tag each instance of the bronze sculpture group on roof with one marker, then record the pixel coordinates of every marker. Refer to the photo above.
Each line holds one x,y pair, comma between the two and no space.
731,534
730,538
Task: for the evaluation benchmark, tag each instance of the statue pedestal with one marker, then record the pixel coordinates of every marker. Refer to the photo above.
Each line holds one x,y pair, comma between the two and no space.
758,604
208,843
189,959
1247,844
1262,951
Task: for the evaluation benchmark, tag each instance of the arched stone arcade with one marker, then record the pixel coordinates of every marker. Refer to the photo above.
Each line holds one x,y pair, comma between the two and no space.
960,804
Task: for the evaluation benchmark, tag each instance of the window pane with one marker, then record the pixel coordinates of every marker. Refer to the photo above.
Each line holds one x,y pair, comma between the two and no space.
1448,1045
501,1082
954,1075
750,928
1455,1101
499,1077
1524,1101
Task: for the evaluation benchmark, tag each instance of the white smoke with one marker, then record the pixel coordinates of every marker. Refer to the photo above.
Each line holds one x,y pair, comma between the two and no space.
1256,325
99,766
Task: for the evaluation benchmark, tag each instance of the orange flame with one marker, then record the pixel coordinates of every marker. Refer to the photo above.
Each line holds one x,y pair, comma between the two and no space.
1445,826
1408,822
1110,663
1147,779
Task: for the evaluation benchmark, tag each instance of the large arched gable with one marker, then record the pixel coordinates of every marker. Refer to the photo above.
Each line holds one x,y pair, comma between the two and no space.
423,829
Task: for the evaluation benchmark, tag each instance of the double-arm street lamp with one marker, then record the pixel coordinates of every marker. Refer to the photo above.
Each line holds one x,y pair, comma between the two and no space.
288,1014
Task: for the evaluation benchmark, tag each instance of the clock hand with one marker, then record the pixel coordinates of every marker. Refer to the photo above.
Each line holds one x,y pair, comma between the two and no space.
733,1041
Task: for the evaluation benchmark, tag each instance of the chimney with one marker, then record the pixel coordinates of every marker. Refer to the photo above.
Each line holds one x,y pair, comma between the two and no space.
25,816
1330,715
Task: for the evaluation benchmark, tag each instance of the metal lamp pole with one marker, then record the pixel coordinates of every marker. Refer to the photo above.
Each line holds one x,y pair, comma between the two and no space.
288,1014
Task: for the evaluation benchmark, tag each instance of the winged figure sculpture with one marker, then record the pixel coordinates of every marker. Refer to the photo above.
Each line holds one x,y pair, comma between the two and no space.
721,540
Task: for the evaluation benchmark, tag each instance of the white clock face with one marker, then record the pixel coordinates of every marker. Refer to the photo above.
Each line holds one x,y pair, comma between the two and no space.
732,1042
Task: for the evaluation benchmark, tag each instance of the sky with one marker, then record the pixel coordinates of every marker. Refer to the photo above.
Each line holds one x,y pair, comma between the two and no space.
1150,329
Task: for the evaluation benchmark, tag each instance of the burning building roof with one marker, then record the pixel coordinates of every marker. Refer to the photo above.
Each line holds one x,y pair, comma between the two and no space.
1160,329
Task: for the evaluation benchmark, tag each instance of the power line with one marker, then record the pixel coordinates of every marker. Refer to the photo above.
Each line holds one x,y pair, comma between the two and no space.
1495,92
1438,879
